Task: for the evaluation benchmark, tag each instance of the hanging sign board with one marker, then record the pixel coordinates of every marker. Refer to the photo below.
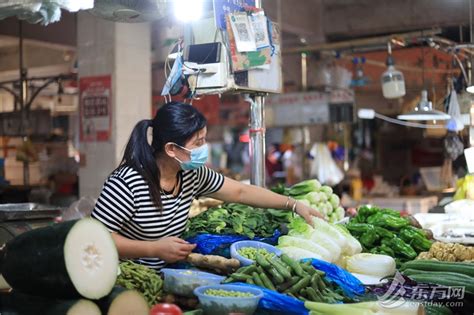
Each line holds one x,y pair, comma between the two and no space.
223,7
95,108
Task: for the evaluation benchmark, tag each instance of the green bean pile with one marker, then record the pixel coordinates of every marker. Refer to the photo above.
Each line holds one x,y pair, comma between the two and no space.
251,252
227,293
143,279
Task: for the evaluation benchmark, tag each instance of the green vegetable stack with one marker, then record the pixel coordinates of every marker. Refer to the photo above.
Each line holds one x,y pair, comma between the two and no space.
238,219
285,275
451,274
384,231
143,279
314,195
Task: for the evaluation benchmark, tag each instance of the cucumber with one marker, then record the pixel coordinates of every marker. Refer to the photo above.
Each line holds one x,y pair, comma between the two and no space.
123,302
267,282
17,303
303,283
284,286
257,280
280,268
275,275
295,266
66,260
411,272
262,261
451,281
240,276
430,265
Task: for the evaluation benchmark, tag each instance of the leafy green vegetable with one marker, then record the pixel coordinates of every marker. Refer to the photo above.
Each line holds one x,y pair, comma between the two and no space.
238,219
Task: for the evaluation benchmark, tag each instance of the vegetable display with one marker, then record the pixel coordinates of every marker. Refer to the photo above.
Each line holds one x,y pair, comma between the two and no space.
67,260
238,219
384,231
288,276
313,194
326,241
448,252
141,278
227,293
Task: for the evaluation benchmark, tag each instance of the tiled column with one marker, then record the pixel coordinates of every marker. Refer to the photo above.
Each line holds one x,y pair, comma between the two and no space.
124,52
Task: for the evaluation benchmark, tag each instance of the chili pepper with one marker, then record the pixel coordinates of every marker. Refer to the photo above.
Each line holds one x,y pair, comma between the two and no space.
400,247
368,238
384,233
421,244
387,221
359,228
364,212
391,212
416,238
386,250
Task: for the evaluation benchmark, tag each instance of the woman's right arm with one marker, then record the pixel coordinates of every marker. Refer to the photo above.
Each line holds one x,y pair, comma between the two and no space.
169,249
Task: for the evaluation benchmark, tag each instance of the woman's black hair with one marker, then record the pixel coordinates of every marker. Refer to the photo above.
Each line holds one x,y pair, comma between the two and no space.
174,122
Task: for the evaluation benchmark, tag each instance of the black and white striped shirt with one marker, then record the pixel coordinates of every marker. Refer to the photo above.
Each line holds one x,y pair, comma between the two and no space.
125,206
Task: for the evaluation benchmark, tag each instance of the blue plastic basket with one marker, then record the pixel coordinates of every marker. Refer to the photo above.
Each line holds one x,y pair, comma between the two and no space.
216,305
184,281
234,250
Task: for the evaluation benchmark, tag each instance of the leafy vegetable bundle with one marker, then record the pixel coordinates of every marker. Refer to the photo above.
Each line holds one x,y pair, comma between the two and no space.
384,231
313,194
238,219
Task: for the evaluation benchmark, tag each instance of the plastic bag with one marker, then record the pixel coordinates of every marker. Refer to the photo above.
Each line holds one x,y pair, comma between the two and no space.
323,167
219,244
348,283
79,209
455,123
277,303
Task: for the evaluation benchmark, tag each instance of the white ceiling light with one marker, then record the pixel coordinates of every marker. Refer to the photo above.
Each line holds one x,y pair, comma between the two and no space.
424,111
393,82
188,10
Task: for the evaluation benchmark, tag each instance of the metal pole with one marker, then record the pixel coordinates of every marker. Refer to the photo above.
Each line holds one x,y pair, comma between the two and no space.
23,101
304,129
257,140
257,135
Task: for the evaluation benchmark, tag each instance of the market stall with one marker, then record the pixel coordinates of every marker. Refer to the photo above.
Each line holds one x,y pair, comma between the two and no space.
250,261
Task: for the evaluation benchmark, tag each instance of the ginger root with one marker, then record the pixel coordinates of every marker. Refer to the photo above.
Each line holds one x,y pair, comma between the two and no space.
217,263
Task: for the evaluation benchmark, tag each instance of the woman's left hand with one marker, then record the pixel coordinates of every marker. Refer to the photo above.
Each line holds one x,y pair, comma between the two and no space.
307,213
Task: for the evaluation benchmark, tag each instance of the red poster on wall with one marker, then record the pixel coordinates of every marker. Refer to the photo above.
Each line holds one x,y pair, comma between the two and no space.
95,108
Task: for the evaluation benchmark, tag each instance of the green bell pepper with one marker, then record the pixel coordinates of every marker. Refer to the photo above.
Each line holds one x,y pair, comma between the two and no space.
359,228
368,238
364,212
384,233
388,221
400,247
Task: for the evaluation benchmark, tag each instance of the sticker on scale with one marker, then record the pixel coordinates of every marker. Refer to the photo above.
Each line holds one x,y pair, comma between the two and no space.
243,33
259,25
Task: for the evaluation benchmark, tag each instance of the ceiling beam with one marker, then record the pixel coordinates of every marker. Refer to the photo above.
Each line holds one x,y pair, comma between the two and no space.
369,17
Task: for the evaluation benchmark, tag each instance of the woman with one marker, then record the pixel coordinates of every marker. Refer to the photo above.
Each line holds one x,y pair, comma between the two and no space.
145,202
